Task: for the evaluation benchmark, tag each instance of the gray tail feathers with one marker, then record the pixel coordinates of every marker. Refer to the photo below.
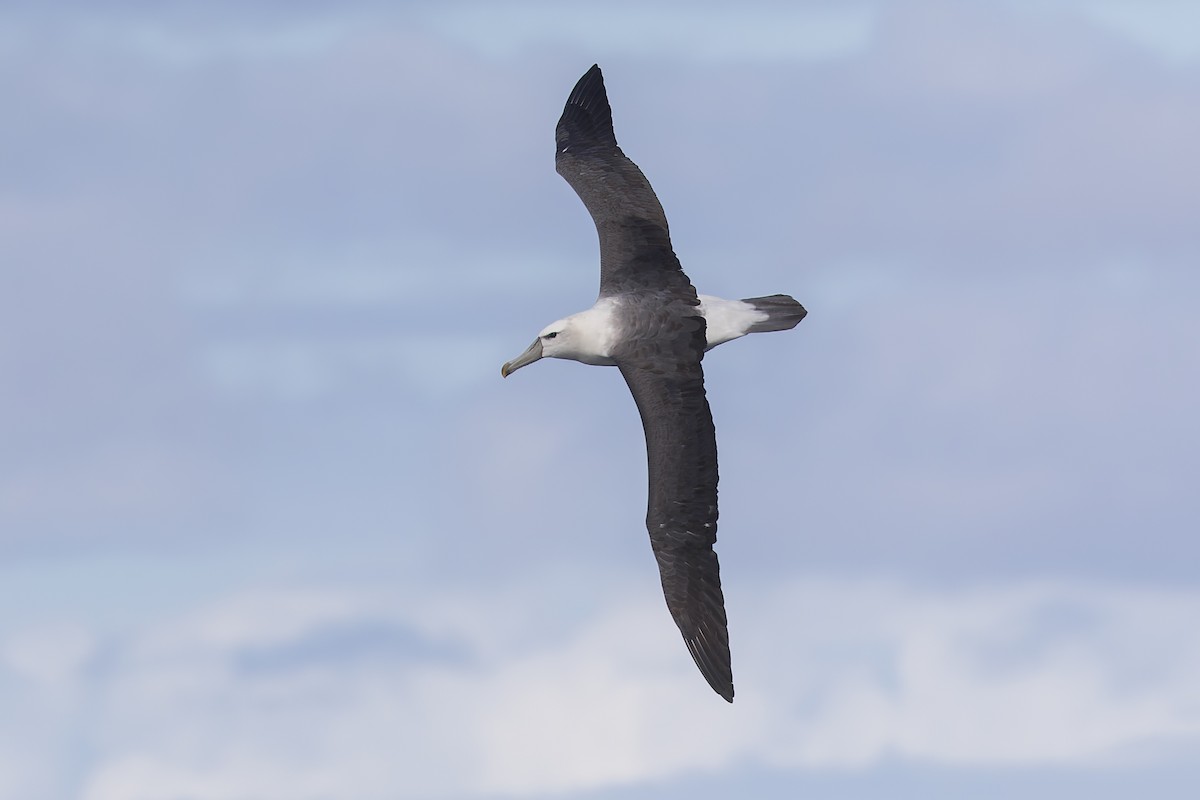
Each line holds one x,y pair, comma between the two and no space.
783,313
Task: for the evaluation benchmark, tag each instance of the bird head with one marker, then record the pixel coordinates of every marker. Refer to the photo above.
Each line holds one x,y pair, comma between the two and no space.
553,342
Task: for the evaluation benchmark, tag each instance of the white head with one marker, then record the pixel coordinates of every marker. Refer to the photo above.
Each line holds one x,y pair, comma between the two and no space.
585,337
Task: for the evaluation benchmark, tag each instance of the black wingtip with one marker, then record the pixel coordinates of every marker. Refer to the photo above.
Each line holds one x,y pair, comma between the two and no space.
587,117
587,85
713,664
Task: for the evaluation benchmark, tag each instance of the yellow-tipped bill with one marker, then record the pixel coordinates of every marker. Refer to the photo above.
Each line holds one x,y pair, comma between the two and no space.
528,357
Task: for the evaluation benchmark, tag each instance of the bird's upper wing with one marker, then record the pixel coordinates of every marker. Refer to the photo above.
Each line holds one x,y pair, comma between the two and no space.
667,383
635,245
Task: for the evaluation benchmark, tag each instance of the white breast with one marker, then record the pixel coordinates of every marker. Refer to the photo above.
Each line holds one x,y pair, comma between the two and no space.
594,332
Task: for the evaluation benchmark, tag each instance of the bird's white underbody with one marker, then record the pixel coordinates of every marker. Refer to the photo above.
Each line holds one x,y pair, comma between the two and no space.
589,335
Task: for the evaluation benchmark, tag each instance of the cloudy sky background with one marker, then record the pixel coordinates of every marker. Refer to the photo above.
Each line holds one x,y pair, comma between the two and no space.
272,526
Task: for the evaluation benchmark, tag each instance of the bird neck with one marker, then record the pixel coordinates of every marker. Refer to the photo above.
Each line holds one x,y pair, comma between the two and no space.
593,333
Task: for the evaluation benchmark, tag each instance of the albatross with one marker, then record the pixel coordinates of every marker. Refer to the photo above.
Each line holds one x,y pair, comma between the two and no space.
650,323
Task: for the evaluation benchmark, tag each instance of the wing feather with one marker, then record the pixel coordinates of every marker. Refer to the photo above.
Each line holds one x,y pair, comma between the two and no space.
681,515
635,243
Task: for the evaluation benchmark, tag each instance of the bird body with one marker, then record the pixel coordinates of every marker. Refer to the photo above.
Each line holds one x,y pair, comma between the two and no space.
590,335
651,324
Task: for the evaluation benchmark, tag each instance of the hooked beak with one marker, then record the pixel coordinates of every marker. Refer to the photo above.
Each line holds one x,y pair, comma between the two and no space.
528,357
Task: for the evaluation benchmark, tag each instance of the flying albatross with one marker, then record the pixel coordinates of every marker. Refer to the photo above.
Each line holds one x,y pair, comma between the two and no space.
650,323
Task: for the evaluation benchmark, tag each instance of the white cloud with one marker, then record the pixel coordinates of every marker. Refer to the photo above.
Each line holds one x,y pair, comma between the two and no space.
1169,27
831,675
184,37
711,32
47,657
1026,675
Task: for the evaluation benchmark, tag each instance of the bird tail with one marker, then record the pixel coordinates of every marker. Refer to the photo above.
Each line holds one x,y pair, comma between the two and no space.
783,313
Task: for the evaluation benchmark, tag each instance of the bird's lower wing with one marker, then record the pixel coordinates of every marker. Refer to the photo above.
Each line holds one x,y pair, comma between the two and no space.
681,451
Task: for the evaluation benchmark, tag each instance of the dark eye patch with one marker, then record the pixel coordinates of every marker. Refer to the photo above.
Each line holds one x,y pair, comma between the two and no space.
552,334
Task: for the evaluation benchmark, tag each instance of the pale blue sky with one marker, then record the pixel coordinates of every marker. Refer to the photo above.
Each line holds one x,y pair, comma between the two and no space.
272,525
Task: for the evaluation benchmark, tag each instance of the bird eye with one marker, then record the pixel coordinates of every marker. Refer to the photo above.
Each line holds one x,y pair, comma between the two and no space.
552,334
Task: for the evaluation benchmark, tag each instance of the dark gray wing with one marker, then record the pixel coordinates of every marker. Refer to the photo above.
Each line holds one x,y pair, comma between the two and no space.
667,383
635,245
